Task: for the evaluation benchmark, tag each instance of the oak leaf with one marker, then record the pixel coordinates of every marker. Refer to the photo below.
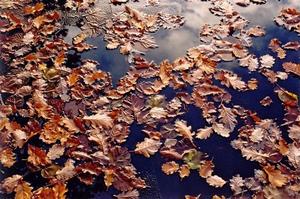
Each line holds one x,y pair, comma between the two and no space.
184,130
100,119
292,68
170,167
275,177
7,158
148,147
204,133
206,168
23,191
227,117
184,171
37,156
215,181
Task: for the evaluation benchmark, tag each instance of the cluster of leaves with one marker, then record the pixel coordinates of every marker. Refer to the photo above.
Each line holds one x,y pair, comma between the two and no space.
82,121
130,30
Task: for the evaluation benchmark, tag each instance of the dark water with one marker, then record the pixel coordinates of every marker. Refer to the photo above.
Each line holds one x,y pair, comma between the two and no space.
173,43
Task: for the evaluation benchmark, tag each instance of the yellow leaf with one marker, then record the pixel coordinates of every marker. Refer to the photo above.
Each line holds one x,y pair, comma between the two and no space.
23,191
275,177
108,177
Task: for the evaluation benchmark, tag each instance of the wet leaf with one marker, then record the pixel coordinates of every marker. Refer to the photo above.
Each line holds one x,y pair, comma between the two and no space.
184,130
292,68
215,181
23,191
148,147
37,156
100,119
170,167
275,177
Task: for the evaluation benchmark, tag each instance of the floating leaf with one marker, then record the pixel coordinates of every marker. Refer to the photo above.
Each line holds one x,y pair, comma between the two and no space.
215,181
170,167
148,147
275,177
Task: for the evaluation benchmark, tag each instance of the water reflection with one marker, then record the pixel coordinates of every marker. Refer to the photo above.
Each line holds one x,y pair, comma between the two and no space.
174,43
110,60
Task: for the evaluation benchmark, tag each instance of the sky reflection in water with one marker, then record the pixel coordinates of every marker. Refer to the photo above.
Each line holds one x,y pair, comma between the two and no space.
173,44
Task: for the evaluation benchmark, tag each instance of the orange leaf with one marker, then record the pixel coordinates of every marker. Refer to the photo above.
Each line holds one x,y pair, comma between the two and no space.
170,167
275,177
37,156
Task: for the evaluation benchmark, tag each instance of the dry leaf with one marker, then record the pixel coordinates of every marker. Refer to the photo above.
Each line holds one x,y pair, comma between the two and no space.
206,169
23,191
37,156
276,178
292,68
148,147
267,61
170,167
184,130
7,158
100,119
55,151
215,181
134,194
184,171
204,133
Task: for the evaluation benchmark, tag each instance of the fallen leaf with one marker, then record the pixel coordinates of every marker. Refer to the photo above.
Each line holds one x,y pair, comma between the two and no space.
148,147
184,171
23,191
275,177
37,156
170,167
184,130
292,68
100,119
215,181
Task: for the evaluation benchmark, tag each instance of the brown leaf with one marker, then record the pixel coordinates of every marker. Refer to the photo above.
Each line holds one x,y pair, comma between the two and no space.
204,133
37,156
184,171
170,167
292,45
100,119
31,10
148,147
60,189
184,130
165,72
275,177
67,172
55,151
7,158
9,184
292,68
215,181
108,177
227,117
266,101
206,169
